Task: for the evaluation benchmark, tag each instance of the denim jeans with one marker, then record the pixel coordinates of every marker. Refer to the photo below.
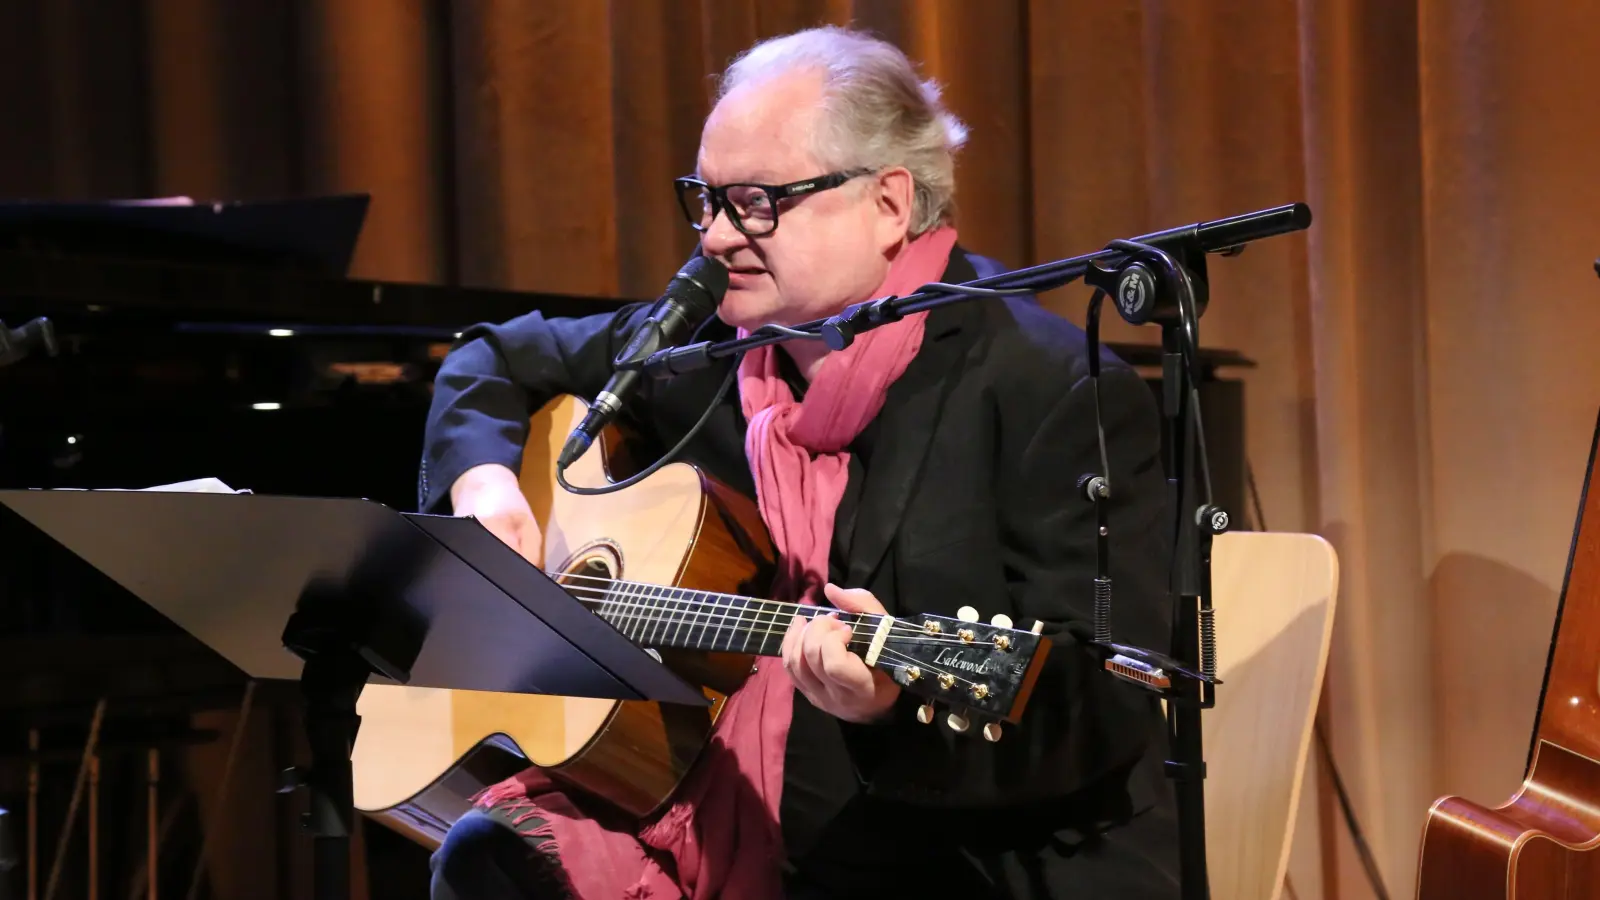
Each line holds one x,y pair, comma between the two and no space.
487,857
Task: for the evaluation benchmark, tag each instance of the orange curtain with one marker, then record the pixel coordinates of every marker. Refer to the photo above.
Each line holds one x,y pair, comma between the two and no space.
1426,387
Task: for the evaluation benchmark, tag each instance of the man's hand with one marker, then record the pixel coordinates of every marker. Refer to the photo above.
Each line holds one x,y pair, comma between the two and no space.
836,681
492,494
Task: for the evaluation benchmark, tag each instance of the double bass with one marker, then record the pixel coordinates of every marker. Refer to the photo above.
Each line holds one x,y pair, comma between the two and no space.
1544,843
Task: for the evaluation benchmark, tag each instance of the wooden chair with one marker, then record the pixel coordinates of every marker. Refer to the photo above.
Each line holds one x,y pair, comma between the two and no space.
1274,596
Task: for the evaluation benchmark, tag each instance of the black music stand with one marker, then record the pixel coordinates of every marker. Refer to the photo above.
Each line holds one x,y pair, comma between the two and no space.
335,593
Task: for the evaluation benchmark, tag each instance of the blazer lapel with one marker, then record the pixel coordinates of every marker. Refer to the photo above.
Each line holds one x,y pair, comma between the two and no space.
905,427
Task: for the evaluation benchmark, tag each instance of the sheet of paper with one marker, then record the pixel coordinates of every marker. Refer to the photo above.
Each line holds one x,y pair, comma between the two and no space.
192,486
196,486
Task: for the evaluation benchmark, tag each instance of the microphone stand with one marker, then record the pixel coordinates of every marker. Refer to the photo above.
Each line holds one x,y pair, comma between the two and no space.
1158,278
1169,288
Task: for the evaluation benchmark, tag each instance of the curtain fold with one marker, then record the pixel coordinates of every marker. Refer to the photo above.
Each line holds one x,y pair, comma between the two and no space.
1425,385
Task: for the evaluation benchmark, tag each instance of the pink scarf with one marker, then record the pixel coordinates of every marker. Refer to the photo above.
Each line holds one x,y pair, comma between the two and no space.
723,836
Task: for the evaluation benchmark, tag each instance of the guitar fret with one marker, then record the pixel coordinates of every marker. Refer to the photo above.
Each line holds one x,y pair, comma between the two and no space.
693,615
714,622
612,604
671,614
673,611
695,618
619,608
728,620
660,614
683,612
755,615
636,600
774,623
604,608
747,622
630,612
710,626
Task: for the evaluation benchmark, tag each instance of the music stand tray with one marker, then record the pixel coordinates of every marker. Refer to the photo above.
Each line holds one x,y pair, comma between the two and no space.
336,593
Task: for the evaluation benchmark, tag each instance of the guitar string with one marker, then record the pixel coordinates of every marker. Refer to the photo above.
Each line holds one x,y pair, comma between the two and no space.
615,606
890,652
664,608
627,585
640,623
623,601
632,585
856,638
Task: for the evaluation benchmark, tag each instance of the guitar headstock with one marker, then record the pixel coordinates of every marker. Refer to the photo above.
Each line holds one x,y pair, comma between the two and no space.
978,670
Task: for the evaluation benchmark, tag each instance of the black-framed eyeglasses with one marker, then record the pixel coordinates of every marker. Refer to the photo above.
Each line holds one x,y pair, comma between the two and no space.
752,208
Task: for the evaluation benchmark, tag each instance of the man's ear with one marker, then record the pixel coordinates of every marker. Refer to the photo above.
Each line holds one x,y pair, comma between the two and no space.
895,196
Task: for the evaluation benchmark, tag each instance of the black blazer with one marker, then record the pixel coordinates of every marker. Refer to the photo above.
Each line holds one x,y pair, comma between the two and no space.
969,498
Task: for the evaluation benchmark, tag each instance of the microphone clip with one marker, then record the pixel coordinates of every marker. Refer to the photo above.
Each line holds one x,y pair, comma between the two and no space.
1142,283
1097,490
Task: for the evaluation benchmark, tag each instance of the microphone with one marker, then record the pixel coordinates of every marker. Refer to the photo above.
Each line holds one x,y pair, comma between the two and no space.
692,296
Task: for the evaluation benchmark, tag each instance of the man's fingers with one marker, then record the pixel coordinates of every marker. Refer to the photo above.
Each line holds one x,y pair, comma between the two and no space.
858,600
530,542
800,670
827,658
817,634
844,668
789,650
504,528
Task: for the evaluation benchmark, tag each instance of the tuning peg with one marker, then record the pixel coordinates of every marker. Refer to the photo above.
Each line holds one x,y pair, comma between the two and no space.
957,722
991,732
925,713
1000,620
967,614
1038,626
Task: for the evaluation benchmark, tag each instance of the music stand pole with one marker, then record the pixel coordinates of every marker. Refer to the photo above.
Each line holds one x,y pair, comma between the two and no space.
330,684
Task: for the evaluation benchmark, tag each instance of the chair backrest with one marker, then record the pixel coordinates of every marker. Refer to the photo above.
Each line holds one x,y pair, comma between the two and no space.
1274,600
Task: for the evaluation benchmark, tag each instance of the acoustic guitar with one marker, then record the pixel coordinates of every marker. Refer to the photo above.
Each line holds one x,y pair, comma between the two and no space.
1542,843
673,563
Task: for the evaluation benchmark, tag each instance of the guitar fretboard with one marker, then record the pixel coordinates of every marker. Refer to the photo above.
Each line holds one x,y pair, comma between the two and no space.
676,618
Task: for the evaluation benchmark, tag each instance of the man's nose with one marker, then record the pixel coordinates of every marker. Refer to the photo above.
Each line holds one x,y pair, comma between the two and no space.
720,238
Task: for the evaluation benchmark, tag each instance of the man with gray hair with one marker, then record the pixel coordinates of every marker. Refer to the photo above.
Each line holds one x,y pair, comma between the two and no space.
929,466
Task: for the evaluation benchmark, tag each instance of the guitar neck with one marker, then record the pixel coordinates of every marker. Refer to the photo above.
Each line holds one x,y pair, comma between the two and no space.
979,668
680,619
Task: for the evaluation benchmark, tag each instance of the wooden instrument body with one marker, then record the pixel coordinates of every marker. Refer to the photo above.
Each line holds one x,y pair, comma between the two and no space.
1544,843
679,528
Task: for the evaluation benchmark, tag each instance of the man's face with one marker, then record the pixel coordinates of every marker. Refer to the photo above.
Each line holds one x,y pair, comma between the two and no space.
830,248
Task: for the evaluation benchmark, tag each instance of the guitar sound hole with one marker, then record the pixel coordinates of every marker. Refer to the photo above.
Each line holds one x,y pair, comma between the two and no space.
594,568
591,571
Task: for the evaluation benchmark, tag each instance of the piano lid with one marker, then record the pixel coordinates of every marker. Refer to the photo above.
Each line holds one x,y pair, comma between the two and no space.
313,234
277,261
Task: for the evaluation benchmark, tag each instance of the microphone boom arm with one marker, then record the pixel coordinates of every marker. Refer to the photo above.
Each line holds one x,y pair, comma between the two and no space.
1224,236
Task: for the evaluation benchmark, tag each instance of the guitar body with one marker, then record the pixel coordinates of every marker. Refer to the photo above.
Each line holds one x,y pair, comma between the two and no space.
422,753
1544,843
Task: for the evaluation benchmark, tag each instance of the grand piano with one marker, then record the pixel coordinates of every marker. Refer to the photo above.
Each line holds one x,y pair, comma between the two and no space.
149,343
